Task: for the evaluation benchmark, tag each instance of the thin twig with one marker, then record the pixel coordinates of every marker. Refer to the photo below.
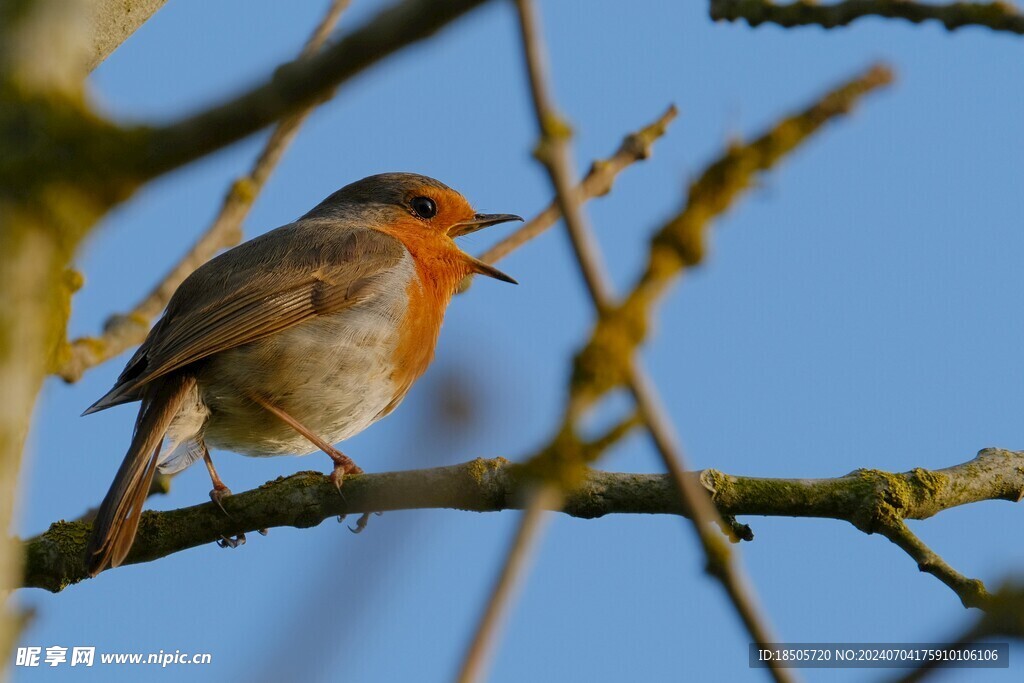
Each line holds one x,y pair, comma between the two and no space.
291,86
122,331
972,592
553,152
597,183
108,162
520,552
680,243
998,16
700,510
540,498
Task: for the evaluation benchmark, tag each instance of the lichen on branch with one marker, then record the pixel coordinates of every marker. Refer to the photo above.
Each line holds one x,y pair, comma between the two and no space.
872,500
679,244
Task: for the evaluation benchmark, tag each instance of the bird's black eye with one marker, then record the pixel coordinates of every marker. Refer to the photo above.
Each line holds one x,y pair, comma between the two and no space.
424,207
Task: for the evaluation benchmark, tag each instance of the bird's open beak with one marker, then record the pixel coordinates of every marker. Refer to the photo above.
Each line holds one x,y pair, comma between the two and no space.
487,269
479,222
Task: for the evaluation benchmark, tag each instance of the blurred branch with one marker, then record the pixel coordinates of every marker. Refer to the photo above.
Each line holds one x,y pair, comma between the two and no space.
42,45
554,153
1003,618
601,364
63,166
869,499
122,331
540,499
114,21
63,142
125,330
597,183
293,85
998,16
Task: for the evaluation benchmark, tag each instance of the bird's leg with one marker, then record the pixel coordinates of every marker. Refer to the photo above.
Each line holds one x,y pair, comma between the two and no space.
342,463
220,491
217,495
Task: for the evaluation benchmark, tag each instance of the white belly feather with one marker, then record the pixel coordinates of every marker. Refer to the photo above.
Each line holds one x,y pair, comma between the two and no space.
332,373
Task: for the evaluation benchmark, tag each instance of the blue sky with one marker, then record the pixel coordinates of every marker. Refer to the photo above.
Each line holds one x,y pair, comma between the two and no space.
859,308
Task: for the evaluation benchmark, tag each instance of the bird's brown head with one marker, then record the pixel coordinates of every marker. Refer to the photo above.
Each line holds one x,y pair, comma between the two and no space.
425,214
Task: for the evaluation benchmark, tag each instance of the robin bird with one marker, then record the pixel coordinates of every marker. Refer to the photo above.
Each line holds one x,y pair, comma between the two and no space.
292,341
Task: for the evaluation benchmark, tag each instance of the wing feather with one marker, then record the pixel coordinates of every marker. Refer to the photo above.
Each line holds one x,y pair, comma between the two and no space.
261,287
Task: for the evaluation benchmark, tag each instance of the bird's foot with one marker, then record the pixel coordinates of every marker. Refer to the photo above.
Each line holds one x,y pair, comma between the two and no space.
231,541
343,465
361,523
218,494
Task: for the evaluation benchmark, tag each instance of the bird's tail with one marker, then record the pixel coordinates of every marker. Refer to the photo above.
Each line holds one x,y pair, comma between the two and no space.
118,517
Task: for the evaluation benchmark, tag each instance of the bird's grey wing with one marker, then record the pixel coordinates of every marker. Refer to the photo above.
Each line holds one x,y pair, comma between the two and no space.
263,286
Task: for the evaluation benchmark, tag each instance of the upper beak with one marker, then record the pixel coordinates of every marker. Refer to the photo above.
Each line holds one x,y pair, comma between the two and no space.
481,221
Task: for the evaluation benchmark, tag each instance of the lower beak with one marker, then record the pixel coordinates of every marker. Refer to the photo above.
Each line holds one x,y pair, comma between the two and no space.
478,266
479,222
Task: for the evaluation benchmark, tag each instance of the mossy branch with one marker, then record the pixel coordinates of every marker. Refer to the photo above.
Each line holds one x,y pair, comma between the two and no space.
292,86
554,152
61,142
679,244
597,183
871,500
998,16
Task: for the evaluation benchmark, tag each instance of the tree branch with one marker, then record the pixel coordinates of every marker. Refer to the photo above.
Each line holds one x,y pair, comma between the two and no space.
869,499
41,46
520,553
597,183
554,153
64,143
998,16
293,85
114,21
679,244
124,330
972,592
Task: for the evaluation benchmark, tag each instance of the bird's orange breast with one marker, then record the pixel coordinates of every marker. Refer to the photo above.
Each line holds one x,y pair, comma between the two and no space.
439,270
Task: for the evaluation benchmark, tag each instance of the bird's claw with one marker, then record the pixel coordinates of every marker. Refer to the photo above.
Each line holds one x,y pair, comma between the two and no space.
341,470
361,523
337,477
217,495
231,541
